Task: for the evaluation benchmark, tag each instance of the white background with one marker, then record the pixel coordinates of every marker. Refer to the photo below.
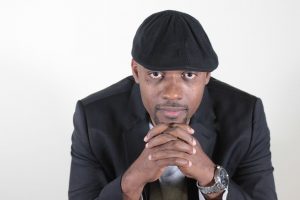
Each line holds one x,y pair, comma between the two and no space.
53,53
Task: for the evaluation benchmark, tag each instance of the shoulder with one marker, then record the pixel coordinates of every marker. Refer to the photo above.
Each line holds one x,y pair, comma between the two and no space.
231,103
223,93
218,88
107,105
118,89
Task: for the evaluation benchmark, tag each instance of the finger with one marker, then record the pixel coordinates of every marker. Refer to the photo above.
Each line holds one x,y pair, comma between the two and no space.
156,130
160,155
181,134
184,127
159,140
174,162
175,145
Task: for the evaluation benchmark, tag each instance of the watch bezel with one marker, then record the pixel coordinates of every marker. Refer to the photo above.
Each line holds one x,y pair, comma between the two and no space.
218,179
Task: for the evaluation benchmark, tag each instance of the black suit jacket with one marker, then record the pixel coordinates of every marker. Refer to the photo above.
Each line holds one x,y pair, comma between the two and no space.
109,127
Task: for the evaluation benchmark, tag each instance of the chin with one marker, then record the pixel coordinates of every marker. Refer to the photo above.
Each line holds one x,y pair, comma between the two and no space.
169,120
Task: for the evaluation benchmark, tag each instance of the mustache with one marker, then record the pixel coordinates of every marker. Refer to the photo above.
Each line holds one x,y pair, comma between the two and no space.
171,104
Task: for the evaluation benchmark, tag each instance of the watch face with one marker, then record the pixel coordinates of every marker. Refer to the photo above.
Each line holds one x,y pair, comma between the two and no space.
224,177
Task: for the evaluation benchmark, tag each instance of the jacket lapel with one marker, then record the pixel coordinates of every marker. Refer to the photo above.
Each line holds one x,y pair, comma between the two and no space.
136,127
203,122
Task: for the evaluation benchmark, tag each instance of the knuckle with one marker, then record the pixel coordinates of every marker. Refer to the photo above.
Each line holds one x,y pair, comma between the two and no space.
174,144
177,145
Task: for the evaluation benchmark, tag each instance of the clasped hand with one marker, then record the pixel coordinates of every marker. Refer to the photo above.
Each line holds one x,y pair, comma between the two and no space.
168,145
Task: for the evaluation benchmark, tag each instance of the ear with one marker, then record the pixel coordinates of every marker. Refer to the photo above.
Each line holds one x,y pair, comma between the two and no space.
207,78
135,71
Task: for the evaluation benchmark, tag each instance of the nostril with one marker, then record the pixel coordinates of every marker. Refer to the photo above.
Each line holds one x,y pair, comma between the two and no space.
172,94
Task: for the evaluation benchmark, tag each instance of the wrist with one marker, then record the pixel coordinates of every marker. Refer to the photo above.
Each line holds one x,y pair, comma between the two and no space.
221,182
131,187
208,178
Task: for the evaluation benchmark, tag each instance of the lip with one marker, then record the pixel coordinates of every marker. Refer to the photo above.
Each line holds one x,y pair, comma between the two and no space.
172,112
170,108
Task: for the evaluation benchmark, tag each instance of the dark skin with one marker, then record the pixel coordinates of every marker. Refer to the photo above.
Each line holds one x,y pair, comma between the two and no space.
171,98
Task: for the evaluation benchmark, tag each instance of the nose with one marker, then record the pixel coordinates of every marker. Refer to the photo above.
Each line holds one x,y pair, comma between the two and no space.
172,90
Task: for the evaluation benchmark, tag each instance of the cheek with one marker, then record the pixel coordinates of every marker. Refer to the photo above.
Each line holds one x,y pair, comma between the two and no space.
148,97
194,99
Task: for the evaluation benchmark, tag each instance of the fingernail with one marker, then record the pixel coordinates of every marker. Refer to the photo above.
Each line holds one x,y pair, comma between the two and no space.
147,145
150,157
191,130
190,163
194,150
194,142
145,138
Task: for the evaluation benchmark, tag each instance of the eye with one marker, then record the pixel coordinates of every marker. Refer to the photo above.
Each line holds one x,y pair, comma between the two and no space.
155,75
189,75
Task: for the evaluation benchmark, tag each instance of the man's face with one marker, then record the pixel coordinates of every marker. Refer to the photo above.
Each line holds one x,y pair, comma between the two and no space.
170,96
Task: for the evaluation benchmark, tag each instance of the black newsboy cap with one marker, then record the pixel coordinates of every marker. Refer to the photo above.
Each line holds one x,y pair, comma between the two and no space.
173,40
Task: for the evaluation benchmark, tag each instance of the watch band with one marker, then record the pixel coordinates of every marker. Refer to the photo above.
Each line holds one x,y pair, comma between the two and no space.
218,186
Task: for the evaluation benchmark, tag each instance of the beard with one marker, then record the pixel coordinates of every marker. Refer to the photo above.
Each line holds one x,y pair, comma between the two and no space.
170,113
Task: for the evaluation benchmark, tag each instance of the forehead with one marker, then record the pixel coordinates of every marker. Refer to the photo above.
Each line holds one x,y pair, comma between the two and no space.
168,71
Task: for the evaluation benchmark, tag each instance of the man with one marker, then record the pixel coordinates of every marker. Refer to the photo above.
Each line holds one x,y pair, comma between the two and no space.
171,131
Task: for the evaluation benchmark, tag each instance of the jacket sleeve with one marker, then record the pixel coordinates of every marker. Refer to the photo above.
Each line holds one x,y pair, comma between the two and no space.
254,179
87,177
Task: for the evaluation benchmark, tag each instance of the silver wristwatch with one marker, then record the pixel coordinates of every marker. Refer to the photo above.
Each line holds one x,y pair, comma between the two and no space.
221,179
